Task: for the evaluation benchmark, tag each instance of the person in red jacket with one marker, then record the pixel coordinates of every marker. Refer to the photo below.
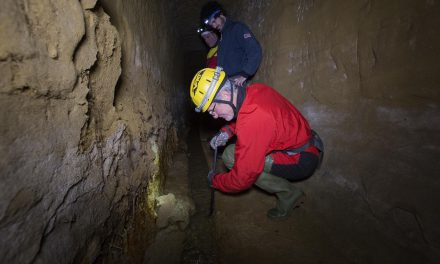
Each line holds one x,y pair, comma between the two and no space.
274,146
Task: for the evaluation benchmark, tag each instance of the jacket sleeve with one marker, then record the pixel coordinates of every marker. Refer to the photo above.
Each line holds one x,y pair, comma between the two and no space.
252,49
229,128
255,134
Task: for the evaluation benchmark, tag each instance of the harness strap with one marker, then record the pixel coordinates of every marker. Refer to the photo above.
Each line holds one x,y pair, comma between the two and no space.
294,151
315,140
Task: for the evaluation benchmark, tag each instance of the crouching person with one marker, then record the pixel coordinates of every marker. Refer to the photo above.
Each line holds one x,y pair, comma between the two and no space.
275,145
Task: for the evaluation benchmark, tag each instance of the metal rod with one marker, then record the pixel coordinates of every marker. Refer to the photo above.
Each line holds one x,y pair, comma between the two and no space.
214,163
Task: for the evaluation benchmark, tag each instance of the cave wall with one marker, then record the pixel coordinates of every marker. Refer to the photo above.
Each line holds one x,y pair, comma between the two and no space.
365,73
89,117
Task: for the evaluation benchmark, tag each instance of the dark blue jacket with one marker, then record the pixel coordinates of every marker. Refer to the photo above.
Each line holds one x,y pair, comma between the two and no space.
239,52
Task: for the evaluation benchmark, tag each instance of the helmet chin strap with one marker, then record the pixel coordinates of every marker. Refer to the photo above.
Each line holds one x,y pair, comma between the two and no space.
230,102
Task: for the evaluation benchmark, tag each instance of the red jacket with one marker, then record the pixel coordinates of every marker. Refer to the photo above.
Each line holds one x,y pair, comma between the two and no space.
211,58
266,122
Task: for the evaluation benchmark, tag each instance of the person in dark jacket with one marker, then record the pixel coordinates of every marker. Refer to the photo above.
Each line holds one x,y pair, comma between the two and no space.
274,146
239,52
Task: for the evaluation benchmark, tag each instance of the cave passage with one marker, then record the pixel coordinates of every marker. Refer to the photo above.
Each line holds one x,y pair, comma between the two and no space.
104,160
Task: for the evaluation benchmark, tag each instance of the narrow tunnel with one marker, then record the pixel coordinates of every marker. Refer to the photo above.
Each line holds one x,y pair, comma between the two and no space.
104,160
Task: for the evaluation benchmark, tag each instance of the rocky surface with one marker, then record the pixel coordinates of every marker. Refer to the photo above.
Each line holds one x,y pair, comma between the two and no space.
92,101
365,73
85,138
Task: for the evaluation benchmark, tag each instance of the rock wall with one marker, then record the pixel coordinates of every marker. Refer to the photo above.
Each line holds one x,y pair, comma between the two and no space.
365,73
89,117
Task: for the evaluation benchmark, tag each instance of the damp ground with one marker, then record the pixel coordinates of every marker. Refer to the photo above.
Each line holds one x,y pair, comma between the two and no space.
327,228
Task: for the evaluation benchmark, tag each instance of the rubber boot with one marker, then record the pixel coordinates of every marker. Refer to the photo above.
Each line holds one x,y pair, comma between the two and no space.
289,196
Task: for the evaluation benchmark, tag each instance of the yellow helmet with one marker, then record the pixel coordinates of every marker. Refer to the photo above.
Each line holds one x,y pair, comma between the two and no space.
204,87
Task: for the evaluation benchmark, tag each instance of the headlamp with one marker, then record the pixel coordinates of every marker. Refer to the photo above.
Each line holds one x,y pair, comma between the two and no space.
212,16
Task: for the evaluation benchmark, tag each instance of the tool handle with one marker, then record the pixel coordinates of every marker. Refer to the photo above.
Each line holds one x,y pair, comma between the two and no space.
214,163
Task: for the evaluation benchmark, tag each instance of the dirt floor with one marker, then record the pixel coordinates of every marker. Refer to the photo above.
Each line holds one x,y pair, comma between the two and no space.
245,235
327,228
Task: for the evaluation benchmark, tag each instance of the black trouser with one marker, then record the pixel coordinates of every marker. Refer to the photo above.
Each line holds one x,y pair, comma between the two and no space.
308,162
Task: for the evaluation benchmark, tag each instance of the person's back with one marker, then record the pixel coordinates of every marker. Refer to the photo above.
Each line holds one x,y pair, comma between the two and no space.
289,125
239,51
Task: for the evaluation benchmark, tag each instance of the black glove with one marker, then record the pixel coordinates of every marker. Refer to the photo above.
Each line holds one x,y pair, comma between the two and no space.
211,175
